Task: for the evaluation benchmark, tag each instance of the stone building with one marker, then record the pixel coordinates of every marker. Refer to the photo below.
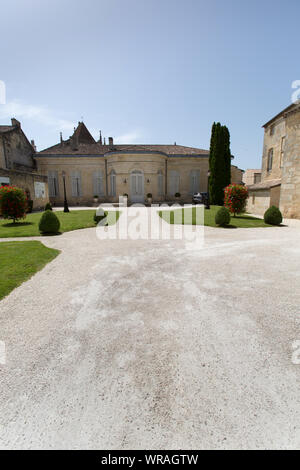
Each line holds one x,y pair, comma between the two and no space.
252,176
109,170
18,165
236,175
280,180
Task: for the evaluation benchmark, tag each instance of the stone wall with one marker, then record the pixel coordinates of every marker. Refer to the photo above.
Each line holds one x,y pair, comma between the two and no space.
259,201
290,184
251,176
273,140
15,150
236,175
26,181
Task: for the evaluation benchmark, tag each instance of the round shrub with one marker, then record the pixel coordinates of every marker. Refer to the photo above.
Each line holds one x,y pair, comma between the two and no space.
177,195
222,216
99,215
235,198
13,203
48,207
49,223
273,216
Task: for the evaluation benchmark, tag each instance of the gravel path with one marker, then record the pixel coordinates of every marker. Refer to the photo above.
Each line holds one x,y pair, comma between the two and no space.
155,344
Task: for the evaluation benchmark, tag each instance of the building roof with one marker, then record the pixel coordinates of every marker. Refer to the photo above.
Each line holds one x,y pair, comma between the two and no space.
265,185
82,143
4,129
291,107
83,135
98,149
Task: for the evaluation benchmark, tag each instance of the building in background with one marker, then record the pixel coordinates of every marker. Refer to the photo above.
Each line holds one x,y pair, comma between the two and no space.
251,176
18,165
236,175
280,181
109,170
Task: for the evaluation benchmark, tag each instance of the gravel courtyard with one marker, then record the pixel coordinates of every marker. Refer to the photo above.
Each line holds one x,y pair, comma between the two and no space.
154,344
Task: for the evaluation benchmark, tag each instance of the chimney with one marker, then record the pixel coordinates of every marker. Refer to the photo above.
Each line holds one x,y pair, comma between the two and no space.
61,139
111,142
15,122
104,141
100,140
33,144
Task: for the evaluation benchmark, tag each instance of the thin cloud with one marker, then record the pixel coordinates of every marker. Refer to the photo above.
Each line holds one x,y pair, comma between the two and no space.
40,114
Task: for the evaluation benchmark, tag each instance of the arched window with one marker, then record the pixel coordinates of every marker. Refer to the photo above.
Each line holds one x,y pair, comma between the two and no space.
194,181
112,183
160,183
174,185
98,183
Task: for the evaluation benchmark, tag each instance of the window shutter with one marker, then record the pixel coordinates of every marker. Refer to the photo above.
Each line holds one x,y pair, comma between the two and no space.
76,184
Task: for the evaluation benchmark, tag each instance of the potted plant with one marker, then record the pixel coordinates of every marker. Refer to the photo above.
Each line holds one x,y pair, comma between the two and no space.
96,198
177,197
149,198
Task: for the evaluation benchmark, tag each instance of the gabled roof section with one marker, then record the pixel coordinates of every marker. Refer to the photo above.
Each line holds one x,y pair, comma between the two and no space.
83,135
289,109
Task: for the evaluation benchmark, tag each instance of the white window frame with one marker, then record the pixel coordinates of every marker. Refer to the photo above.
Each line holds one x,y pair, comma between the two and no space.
76,183
113,186
174,182
53,187
160,183
194,181
98,183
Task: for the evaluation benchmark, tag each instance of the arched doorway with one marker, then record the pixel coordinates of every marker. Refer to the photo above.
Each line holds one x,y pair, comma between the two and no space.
137,187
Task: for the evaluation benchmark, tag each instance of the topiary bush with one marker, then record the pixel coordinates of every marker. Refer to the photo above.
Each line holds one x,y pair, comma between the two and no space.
49,223
48,207
222,217
273,216
99,215
13,203
235,198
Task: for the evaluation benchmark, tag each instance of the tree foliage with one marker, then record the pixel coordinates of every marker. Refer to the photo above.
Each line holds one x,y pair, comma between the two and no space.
236,196
219,163
13,203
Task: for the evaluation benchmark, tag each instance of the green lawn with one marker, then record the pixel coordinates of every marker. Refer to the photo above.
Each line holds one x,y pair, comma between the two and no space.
19,261
68,221
242,221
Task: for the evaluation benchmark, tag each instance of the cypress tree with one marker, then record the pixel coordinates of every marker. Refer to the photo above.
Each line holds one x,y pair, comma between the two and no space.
219,163
227,157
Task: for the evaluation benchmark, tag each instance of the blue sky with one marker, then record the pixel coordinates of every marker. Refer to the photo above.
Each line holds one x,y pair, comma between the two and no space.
149,71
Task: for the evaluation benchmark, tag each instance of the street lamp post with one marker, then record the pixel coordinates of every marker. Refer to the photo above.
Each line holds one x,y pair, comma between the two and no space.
207,205
66,207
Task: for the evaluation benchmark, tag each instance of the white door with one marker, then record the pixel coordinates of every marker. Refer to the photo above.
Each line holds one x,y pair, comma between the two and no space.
137,187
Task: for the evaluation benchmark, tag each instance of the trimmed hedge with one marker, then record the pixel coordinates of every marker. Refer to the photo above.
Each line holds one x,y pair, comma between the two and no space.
48,207
49,223
273,216
222,217
99,217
